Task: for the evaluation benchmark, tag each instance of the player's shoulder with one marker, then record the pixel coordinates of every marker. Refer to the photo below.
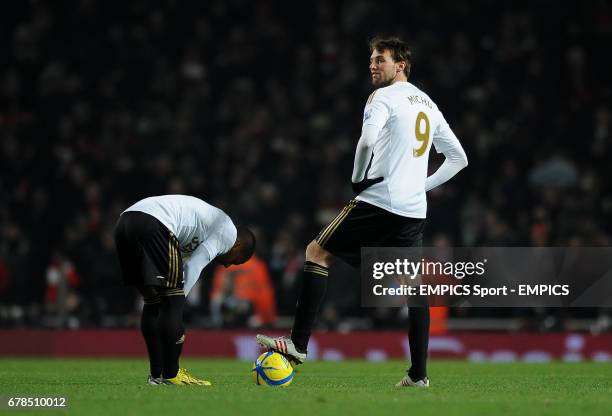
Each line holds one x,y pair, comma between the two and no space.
179,202
382,94
396,93
372,95
179,199
201,206
195,207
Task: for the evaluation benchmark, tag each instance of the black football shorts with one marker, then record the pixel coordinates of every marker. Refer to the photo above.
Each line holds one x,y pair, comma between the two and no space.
360,224
148,252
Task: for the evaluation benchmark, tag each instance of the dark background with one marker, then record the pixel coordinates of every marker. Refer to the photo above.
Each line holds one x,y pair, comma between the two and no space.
256,107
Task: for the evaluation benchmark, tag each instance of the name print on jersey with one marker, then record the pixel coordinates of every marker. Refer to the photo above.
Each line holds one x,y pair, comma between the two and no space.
190,247
417,99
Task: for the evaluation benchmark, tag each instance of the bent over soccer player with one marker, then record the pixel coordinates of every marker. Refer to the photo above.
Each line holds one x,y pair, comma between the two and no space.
390,179
163,243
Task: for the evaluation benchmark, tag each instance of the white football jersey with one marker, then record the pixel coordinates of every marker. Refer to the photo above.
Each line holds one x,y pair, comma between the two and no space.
202,230
409,123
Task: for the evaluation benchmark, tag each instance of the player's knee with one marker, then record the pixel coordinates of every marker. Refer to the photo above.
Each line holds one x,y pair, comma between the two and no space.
317,254
312,251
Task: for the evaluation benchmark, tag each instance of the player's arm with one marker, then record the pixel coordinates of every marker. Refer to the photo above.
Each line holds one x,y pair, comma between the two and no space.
194,266
446,143
375,116
363,154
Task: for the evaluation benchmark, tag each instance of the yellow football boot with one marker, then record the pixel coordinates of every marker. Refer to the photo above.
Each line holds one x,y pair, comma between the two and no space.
184,378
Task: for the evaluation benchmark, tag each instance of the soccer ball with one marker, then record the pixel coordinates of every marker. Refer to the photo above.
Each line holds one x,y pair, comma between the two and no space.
272,369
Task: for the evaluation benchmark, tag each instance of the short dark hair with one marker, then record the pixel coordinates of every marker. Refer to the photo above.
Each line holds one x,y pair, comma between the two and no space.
247,242
398,48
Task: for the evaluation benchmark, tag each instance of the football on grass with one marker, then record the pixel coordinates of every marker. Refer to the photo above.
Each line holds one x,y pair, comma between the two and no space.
272,369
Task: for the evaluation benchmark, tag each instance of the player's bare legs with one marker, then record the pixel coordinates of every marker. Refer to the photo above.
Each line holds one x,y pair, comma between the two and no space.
312,292
318,255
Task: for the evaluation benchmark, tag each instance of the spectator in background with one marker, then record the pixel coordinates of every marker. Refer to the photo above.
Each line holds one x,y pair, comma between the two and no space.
243,295
61,298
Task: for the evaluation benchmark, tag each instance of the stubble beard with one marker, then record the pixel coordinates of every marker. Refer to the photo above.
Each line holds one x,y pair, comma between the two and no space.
381,83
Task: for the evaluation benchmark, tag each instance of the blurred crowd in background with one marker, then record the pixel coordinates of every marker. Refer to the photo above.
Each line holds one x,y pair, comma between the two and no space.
256,107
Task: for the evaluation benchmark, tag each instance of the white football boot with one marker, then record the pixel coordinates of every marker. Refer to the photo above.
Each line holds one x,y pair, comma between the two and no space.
408,382
282,345
153,381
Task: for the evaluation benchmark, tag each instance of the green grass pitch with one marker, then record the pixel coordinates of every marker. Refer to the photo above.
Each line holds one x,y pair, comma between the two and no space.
117,387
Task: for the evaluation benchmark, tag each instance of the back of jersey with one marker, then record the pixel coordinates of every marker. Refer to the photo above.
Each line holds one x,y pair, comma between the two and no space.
192,221
409,122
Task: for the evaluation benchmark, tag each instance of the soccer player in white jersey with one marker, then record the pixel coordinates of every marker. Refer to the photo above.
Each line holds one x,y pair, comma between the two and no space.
163,243
400,124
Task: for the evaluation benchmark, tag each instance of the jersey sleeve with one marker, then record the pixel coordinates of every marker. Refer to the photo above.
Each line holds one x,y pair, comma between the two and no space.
444,140
193,267
221,239
377,110
447,143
